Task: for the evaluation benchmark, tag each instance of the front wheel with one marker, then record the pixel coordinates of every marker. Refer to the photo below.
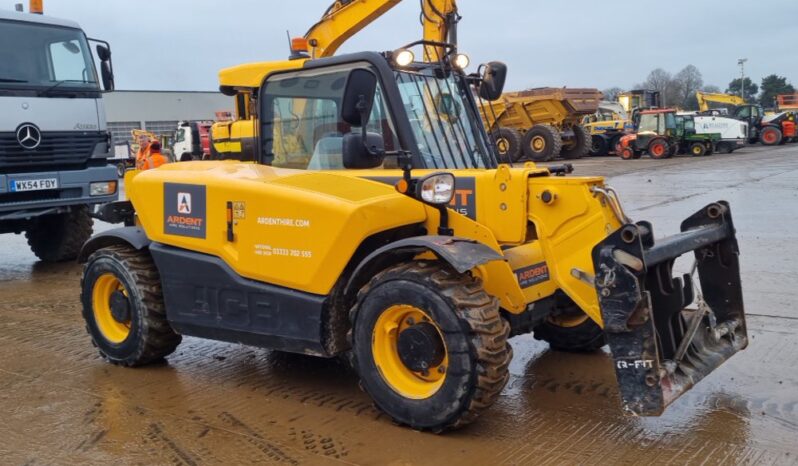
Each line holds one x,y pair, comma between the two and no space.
698,149
123,307
508,144
571,330
59,237
430,345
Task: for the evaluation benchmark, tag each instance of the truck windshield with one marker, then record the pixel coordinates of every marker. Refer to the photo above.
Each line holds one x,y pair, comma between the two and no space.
41,57
447,129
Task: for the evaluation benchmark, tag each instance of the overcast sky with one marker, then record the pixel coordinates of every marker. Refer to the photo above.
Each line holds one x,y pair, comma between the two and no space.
182,44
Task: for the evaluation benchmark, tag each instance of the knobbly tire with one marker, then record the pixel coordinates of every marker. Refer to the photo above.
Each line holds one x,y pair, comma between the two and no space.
508,144
469,324
698,149
581,146
585,337
770,136
659,149
542,143
599,145
59,237
150,336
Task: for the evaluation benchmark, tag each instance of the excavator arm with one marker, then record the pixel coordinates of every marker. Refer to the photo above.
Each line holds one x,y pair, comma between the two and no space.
704,98
345,18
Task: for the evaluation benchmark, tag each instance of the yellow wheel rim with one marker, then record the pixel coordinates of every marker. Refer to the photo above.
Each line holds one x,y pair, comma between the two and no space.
112,330
384,347
538,143
568,321
696,150
503,146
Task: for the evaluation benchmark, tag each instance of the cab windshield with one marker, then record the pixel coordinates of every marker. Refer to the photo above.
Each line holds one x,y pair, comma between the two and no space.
447,130
44,57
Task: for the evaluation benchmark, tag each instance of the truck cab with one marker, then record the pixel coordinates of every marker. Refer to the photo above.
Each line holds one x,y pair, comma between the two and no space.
54,143
192,141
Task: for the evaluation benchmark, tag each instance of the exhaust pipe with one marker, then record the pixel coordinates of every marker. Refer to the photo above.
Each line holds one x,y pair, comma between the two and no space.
667,333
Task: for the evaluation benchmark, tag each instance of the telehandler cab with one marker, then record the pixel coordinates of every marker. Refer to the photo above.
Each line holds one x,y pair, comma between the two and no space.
376,223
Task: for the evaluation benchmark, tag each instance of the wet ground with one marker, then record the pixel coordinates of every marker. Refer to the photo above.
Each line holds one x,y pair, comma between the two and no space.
215,403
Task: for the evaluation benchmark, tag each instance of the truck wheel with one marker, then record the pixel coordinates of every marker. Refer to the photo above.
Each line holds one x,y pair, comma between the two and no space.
659,149
186,157
542,143
508,144
571,330
430,345
697,149
770,136
599,145
59,237
580,146
123,307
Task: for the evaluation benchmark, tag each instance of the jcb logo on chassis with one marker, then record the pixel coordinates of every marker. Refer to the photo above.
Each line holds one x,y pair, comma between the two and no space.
184,210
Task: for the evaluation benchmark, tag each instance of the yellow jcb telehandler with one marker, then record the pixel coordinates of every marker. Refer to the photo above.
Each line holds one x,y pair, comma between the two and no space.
376,223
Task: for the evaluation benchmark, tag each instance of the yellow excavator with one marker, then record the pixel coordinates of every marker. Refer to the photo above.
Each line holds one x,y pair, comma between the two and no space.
376,224
342,20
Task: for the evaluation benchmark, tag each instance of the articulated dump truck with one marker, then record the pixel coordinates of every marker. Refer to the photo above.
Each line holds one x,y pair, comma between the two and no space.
542,124
376,224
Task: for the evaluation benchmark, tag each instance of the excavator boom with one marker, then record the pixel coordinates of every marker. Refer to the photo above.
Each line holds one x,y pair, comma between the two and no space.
345,18
704,98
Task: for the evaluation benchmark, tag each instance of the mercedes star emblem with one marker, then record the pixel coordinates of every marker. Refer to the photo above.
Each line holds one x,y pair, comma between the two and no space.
29,136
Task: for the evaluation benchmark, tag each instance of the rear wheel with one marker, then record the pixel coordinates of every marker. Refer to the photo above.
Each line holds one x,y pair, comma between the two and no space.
659,149
570,329
770,136
123,307
599,145
542,143
579,147
508,144
697,149
430,345
59,237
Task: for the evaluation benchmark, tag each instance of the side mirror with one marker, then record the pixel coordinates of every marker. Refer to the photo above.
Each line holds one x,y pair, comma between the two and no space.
493,79
103,52
107,76
361,85
360,153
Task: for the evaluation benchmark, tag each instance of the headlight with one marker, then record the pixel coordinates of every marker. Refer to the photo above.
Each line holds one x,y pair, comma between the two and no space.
403,57
102,188
461,61
436,189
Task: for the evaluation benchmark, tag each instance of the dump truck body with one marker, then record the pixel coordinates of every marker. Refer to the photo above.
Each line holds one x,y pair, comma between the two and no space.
560,109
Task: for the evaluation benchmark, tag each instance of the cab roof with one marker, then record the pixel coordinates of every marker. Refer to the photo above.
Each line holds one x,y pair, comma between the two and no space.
251,75
657,110
37,19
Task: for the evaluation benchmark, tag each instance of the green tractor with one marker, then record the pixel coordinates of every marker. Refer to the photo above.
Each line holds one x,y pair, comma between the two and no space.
661,133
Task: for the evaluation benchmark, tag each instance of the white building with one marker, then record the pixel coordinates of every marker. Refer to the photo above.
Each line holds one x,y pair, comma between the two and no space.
159,111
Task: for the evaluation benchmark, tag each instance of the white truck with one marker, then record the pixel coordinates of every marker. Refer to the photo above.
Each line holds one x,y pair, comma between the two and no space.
733,132
54,143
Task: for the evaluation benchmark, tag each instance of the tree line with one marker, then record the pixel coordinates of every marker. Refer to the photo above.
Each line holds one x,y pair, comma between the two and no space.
678,90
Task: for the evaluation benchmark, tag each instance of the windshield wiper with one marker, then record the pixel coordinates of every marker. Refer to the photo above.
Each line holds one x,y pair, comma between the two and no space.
12,80
47,91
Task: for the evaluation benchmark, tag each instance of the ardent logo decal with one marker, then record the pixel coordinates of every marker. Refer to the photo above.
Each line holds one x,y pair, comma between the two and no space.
532,275
184,203
184,210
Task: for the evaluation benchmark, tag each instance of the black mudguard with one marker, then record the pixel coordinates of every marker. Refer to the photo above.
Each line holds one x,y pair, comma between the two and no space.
461,253
132,236
661,348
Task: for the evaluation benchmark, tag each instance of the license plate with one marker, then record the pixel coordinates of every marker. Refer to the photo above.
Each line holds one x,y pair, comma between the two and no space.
18,186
